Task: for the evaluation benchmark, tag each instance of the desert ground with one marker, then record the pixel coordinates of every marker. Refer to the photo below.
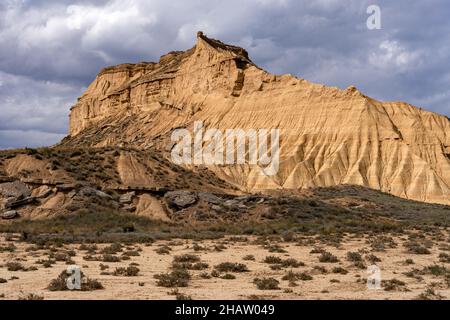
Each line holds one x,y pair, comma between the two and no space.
414,265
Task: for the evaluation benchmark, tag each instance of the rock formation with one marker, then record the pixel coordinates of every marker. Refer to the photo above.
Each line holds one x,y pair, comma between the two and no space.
328,136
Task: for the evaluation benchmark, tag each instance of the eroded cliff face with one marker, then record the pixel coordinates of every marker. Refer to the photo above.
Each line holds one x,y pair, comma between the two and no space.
328,136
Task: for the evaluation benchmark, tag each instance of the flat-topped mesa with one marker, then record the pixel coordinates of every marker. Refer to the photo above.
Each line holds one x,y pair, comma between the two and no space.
328,136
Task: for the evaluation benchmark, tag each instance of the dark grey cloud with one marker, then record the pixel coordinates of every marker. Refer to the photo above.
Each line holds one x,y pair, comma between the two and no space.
51,50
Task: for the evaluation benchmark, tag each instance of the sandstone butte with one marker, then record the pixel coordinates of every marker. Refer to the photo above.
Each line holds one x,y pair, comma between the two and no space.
328,136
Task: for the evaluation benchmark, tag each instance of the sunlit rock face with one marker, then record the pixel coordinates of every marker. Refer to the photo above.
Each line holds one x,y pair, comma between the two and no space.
328,136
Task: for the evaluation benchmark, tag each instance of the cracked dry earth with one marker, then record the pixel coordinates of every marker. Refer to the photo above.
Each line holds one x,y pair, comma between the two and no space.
413,266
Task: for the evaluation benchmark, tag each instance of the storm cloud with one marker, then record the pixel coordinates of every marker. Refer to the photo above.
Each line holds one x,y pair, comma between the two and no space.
51,50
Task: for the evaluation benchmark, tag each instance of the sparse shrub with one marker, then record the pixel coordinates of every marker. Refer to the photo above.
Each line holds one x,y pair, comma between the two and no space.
15,266
111,258
112,249
354,256
231,267
186,258
303,276
416,248
8,248
228,276
275,267
91,248
415,273
327,257
87,284
249,257
58,256
436,270
200,266
381,243
176,278
291,263
288,236
71,253
321,269
219,248
393,285
90,258
91,285
130,271
46,263
334,281
63,257
290,276
31,296
198,247
444,257
215,274
266,283
190,266
183,297
294,276
275,248
273,260
278,263
360,265
163,250
429,294
103,267
339,270
373,258
131,253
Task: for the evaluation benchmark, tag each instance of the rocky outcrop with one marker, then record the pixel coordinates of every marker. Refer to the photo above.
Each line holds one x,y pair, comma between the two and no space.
19,202
42,192
127,198
181,199
328,136
14,189
8,215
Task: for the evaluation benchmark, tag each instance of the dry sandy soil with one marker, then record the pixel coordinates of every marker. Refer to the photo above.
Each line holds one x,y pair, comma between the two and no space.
422,282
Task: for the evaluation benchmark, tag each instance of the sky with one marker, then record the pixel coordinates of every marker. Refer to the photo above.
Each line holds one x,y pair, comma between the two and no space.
51,50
